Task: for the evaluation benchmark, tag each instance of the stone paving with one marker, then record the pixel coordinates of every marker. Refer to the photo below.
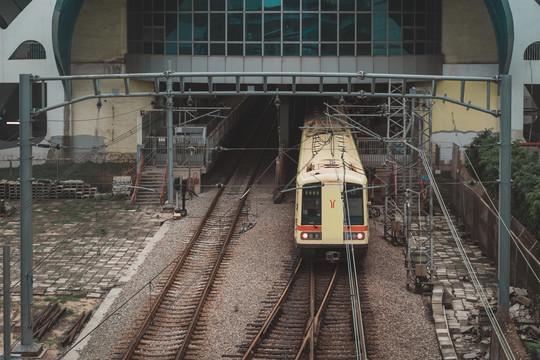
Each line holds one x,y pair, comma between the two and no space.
81,246
460,309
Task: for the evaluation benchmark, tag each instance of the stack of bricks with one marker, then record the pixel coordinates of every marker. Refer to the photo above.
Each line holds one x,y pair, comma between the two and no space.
69,189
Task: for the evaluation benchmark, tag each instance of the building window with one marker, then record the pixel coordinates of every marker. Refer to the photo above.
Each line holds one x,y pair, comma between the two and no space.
285,27
29,50
532,52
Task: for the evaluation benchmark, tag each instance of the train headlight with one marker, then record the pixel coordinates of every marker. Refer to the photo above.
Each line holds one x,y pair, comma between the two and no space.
360,236
310,236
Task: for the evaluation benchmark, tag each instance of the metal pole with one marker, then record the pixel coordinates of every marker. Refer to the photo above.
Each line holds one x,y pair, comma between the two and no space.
170,145
27,345
7,303
504,190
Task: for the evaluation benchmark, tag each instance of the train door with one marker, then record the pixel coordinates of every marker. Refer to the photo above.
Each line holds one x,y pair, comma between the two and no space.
332,214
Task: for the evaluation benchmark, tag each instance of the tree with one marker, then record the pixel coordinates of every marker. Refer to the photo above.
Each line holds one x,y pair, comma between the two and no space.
483,153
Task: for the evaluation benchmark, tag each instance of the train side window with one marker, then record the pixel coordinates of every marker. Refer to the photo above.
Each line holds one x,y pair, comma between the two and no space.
354,207
311,205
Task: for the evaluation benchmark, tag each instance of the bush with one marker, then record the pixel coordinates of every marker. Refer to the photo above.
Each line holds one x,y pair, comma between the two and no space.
483,155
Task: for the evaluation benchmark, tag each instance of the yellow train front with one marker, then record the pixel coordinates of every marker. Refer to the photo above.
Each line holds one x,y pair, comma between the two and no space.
331,199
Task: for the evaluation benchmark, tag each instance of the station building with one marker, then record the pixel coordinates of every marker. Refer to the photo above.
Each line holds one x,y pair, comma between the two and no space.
427,37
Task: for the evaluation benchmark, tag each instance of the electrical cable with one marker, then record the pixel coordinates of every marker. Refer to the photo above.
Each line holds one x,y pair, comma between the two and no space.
515,238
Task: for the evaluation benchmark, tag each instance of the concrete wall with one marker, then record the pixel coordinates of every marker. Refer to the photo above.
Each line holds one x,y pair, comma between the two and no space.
100,32
99,45
467,33
454,123
117,118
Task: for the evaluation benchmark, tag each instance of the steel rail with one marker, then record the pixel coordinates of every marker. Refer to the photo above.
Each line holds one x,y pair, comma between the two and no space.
314,324
183,348
180,264
171,279
249,352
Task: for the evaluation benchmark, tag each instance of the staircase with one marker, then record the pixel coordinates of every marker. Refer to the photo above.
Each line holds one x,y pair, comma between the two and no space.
152,178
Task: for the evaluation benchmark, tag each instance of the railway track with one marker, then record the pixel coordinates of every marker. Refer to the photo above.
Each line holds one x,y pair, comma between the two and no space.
168,328
313,318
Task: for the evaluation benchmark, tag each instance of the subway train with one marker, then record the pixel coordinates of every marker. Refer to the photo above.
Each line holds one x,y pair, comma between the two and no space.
331,196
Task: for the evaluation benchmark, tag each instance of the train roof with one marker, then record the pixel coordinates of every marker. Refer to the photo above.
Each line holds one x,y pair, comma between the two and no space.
328,153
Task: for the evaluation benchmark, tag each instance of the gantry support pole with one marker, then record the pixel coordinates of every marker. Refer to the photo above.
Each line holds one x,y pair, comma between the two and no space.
170,145
27,346
504,189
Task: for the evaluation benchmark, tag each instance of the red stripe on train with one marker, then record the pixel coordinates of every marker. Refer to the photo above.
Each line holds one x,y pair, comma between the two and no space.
355,228
308,228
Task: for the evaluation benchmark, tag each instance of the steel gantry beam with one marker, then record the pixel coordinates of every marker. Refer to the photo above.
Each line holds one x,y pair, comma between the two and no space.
360,84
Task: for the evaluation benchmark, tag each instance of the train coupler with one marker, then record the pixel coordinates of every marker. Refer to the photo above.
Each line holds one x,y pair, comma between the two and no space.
332,256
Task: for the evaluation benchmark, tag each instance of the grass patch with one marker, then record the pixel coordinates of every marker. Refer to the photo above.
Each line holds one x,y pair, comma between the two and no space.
533,350
73,297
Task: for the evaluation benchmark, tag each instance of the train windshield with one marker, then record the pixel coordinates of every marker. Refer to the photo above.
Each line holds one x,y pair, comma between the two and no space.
354,206
311,204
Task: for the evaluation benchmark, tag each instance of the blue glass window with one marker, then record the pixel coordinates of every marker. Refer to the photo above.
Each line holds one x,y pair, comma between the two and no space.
346,5
329,27
184,5
217,5
217,49
363,27
253,27
272,5
329,49
328,5
379,27
291,50
379,49
184,49
170,5
394,27
217,26
200,49
200,27
346,49
291,27
254,49
171,27
363,50
271,50
158,48
310,49
380,5
394,48
394,5
291,5
310,5
254,5
235,49
346,27
310,27
234,5
272,27
363,5
184,28
171,49
235,27
199,5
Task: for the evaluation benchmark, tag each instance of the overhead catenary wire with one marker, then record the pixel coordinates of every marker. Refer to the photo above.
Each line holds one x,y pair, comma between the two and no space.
494,208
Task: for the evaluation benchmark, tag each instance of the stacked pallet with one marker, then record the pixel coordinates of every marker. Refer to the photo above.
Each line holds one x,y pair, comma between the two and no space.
45,189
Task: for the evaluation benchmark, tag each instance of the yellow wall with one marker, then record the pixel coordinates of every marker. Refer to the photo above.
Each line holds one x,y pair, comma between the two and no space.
450,117
467,33
100,32
115,118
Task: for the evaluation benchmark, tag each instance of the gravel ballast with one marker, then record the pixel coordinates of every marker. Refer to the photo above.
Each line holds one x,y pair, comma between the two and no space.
254,263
